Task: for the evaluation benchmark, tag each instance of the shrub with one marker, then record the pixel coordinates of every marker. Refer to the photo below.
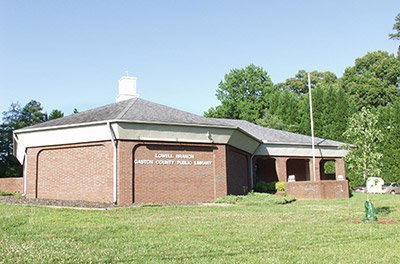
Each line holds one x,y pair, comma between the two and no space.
6,193
253,198
265,187
280,186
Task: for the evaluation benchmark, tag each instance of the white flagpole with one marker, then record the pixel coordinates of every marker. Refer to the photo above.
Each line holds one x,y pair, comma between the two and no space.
312,127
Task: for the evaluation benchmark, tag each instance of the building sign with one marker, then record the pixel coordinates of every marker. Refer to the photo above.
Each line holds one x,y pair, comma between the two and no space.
173,159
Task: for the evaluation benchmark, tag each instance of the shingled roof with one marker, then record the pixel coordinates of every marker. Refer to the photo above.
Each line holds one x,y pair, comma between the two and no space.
270,135
140,110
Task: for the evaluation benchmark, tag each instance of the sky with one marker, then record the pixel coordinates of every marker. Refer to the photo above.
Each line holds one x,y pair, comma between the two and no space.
71,54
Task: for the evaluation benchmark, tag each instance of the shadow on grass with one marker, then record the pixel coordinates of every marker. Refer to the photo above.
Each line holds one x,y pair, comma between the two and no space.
384,210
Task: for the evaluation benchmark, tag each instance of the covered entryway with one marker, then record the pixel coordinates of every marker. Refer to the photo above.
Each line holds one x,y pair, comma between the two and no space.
266,170
300,168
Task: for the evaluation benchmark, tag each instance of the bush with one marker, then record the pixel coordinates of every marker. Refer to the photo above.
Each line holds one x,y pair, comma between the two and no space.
265,187
6,193
280,186
256,199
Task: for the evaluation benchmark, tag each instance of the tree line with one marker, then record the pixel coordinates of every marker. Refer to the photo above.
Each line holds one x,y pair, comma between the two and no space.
362,107
17,117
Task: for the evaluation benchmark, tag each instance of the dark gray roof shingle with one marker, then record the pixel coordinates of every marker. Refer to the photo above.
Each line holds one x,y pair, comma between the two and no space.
141,110
271,135
136,109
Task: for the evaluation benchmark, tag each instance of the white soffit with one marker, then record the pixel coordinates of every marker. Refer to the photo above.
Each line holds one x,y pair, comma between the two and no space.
299,151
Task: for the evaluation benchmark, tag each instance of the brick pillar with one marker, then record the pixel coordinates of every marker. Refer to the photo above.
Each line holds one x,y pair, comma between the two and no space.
340,167
316,176
280,164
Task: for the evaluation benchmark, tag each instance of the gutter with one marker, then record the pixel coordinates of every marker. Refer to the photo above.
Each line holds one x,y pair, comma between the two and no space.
114,143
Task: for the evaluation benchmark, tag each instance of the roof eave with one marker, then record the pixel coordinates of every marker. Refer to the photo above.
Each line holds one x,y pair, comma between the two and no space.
298,144
20,131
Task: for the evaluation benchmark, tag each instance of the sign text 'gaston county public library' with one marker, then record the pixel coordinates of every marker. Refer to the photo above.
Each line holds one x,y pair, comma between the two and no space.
170,159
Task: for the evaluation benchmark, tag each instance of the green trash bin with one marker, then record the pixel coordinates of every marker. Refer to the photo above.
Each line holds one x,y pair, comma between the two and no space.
370,212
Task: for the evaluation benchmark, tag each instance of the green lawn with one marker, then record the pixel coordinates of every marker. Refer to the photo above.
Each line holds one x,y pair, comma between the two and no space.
299,232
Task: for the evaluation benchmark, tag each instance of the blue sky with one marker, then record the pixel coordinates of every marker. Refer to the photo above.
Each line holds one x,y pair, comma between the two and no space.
70,54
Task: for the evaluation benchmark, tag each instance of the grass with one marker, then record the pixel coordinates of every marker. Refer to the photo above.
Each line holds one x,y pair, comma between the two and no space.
327,231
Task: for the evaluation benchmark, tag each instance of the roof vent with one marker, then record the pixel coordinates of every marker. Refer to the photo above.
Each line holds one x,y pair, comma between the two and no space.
126,89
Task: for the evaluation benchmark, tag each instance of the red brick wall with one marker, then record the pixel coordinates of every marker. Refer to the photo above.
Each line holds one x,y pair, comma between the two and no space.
237,171
71,172
12,184
170,183
318,190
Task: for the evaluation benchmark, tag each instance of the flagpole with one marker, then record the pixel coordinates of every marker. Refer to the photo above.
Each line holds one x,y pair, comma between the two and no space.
312,126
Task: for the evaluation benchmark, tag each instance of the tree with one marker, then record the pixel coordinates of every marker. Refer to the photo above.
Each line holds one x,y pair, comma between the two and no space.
32,114
364,156
16,118
373,80
299,84
242,94
282,111
11,120
389,124
332,109
396,27
55,114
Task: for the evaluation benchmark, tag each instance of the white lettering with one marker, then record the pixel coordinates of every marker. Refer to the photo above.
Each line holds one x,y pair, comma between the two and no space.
203,162
143,161
184,156
163,155
165,162
184,162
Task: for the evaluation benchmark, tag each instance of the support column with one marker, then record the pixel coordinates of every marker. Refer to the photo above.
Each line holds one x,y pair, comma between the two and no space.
315,175
280,165
340,168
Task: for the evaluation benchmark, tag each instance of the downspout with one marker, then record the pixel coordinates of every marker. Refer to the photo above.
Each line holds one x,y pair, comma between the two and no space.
24,163
114,143
251,167
24,171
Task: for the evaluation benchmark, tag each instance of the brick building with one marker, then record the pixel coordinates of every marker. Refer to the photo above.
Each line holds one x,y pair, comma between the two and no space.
136,151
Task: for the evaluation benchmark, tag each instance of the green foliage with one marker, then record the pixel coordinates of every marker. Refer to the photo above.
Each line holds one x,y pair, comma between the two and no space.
32,114
265,187
332,109
299,84
254,198
55,114
396,27
389,124
6,193
16,118
373,80
280,186
242,94
282,111
364,156
329,167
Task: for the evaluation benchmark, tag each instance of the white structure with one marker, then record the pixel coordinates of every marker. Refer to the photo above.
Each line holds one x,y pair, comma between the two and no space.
374,185
126,89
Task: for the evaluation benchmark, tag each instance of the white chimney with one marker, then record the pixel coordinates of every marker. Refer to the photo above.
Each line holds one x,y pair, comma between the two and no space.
126,89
